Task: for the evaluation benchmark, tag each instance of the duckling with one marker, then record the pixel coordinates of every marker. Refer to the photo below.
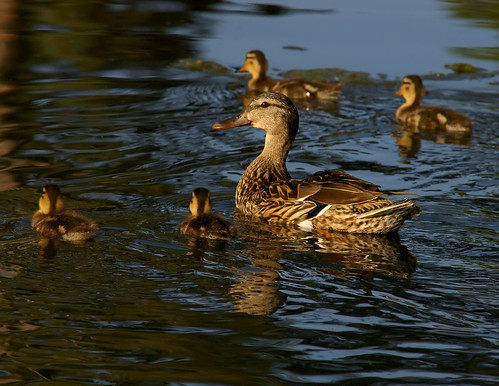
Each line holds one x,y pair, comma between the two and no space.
53,222
201,222
256,64
427,118
330,200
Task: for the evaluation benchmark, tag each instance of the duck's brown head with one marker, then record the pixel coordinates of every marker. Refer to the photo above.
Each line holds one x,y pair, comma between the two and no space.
200,203
412,89
51,200
256,64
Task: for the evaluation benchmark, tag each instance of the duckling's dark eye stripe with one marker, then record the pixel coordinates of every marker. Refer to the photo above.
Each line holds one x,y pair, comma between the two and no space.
406,82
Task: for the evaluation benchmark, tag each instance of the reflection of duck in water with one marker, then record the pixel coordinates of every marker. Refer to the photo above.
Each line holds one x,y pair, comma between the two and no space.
48,248
365,255
409,139
201,222
427,118
354,251
329,200
51,221
256,64
256,288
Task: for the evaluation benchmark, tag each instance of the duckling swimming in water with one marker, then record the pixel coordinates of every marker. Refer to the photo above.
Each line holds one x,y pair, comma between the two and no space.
427,118
201,222
256,64
53,222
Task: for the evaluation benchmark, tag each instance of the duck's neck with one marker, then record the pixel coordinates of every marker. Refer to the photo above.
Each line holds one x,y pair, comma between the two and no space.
412,102
259,80
267,168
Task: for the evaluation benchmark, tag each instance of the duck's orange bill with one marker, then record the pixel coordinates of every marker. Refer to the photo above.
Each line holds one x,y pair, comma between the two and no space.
237,121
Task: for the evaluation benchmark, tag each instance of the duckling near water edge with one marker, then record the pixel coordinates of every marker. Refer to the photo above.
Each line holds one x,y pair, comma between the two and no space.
256,64
53,222
328,200
427,118
201,222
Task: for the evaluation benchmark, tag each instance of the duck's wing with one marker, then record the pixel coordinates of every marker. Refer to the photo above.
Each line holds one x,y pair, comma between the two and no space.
442,118
307,89
279,203
331,190
338,187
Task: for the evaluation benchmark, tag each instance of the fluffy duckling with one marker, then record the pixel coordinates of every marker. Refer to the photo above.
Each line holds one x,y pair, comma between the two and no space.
427,118
256,64
327,200
201,222
53,222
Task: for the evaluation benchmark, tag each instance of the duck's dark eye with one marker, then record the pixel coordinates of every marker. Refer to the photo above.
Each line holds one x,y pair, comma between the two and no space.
265,104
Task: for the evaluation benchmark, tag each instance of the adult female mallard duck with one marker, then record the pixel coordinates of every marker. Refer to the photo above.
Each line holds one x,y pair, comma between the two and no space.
327,200
201,222
53,222
427,118
256,64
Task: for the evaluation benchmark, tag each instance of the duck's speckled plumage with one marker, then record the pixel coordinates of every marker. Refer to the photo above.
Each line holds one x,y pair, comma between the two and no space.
330,200
256,64
53,222
427,118
202,223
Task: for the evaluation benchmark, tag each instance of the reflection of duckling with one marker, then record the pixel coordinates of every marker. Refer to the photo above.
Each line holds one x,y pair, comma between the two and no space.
52,222
201,222
256,64
428,118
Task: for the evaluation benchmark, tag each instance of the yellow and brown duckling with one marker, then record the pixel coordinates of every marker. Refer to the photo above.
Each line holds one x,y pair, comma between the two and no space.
330,200
52,221
256,64
202,222
427,118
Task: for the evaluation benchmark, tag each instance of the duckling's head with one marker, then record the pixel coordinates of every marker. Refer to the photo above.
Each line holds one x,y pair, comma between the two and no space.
51,200
412,89
272,112
200,203
256,64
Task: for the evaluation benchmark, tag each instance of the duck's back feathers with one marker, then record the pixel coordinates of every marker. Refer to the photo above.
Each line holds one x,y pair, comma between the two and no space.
209,225
67,225
307,89
332,200
435,118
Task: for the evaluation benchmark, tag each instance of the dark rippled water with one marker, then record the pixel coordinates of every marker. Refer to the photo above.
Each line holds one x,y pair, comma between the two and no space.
95,97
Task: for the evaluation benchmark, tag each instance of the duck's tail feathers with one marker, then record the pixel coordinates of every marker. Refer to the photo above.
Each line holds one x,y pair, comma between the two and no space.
405,207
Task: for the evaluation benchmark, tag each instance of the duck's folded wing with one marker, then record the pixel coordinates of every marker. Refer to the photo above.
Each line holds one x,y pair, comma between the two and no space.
335,175
339,187
339,193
